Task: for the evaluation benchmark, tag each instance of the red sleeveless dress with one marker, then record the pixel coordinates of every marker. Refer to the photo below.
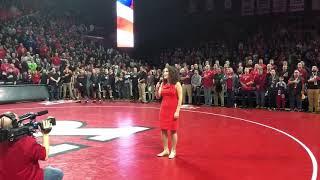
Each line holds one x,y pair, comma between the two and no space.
168,107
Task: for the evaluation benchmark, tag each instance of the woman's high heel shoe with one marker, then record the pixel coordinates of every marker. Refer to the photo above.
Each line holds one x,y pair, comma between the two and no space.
163,153
172,154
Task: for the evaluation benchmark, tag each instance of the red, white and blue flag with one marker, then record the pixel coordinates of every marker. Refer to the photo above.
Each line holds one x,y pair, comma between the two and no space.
125,33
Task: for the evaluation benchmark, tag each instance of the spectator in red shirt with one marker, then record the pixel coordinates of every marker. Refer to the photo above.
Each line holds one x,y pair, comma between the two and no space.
207,85
264,67
36,77
260,83
3,52
255,71
22,155
303,72
56,61
44,50
247,81
16,71
21,50
58,46
186,85
5,65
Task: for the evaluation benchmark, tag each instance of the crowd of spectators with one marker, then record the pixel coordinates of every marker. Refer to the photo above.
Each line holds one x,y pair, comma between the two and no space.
274,70
40,49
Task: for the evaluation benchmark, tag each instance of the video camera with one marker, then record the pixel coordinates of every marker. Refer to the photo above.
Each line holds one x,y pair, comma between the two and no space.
20,129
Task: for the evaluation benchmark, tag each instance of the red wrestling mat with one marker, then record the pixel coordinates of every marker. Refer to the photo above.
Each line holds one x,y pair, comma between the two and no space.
120,141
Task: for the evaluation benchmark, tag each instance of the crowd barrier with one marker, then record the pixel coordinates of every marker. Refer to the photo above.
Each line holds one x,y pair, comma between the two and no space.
22,93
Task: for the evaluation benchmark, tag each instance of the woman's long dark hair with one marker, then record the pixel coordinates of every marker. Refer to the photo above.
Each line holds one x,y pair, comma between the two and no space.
173,77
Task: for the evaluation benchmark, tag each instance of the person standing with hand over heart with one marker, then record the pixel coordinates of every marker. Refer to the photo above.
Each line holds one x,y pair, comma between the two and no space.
171,92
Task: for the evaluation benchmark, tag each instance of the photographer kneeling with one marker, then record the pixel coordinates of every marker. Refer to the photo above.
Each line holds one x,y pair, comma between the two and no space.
19,158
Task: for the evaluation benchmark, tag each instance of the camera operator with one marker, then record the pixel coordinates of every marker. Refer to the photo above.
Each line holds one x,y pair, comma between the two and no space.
19,159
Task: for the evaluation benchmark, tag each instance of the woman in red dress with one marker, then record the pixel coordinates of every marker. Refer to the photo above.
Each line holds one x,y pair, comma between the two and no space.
171,92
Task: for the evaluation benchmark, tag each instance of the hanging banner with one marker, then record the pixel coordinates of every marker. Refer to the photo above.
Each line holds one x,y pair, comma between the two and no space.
209,5
247,7
263,6
192,6
296,5
315,5
228,4
279,6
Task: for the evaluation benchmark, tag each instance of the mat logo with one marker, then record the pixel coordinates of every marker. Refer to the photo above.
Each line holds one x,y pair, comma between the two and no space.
189,107
77,128
50,103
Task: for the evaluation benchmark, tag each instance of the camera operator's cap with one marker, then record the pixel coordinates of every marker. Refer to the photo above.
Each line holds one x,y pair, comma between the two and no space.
12,116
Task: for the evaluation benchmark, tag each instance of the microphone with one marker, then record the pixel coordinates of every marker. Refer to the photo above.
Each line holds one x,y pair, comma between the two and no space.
41,113
32,115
